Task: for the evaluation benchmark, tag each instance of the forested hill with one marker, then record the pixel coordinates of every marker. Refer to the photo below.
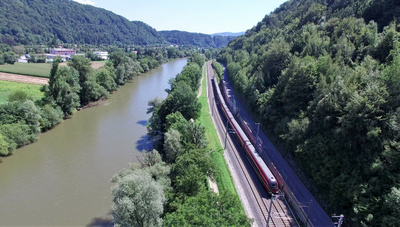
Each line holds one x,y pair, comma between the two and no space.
182,38
324,77
38,21
42,21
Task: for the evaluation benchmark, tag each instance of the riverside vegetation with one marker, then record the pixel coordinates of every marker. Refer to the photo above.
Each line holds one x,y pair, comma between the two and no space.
324,78
170,187
24,116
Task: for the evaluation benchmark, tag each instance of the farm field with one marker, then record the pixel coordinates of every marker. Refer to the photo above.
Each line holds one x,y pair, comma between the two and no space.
37,69
29,69
8,87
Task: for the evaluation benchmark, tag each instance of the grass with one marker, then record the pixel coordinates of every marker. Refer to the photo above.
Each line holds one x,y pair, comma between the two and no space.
222,174
29,69
8,87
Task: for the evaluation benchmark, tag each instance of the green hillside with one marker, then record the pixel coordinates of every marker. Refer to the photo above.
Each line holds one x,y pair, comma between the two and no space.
324,77
182,38
65,21
38,21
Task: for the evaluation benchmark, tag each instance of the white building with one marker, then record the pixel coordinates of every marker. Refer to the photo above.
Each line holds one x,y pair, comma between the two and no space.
102,54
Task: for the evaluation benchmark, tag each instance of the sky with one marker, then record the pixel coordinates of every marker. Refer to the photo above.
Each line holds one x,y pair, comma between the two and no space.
201,16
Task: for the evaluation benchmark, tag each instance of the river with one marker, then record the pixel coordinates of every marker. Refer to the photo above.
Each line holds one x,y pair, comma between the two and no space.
64,178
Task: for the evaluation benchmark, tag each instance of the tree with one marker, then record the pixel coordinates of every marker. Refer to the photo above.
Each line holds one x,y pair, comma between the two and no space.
10,57
392,201
138,199
208,209
4,146
63,88
150,159
172,144
83,66
106,78
190,170
181,99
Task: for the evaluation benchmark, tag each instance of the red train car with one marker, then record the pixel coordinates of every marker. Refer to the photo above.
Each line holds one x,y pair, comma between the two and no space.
264,173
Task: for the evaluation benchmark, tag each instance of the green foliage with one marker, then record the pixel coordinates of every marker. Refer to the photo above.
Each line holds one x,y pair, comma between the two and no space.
189,39
8,58
8,88
172,145
218,70
19,96
4,146
208,209
63,89
189,172
326,83
184,147
50,117
138,199
58,21
182,99
139,192
82,65
106,78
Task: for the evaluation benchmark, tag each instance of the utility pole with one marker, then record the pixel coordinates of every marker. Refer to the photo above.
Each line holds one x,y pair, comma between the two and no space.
340,222
226,132
270,209
258,129
308,213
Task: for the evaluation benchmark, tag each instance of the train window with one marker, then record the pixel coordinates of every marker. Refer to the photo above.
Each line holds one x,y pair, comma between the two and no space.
273,185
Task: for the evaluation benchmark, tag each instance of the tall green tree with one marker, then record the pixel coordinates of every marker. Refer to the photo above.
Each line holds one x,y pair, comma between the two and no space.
138,199
83,66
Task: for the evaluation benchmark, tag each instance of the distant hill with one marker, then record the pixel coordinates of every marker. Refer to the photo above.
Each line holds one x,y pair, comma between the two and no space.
234,34
38,21
182,38
51,21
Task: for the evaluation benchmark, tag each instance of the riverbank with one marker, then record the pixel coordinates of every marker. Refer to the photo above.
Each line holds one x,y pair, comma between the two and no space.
48,182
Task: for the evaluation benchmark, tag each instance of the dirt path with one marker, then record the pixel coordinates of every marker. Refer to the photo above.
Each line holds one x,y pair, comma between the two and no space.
24,79
95,65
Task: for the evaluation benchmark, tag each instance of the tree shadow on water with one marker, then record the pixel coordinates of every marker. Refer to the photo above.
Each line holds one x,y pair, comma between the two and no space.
145,143
142,123
101,222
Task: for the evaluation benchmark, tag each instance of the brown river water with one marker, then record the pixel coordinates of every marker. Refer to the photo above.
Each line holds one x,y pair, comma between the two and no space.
64,178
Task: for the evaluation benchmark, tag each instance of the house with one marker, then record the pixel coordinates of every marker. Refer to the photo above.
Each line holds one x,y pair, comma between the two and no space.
102,54
65,54
62,51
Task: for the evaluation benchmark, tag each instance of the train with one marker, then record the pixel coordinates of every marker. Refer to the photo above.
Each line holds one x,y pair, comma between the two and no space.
264,173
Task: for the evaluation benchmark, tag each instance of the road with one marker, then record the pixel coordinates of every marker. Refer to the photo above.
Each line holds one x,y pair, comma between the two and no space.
254,197
317,216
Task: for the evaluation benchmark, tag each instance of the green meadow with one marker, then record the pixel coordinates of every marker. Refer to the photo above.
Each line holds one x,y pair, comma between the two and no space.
8,87
29,69
222,174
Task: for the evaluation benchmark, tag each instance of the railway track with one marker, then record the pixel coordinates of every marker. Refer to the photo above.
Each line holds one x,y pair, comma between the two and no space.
280,214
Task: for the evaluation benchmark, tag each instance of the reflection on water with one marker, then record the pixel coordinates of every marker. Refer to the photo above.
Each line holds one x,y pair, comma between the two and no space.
64,178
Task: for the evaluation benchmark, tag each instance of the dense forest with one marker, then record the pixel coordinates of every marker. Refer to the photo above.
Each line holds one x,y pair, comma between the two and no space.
33,22
196,39
323,76
39,21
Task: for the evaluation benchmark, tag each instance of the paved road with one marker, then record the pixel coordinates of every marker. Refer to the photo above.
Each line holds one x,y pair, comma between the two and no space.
317,215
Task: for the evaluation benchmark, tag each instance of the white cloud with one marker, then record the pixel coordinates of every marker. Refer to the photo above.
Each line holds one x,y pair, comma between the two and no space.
86,2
